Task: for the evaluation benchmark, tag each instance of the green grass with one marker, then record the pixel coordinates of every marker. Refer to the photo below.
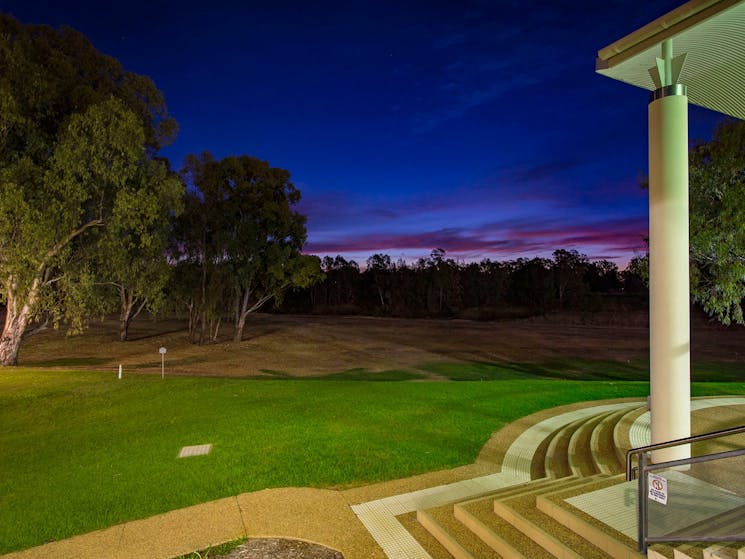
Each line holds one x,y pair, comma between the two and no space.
560,369
582,369
82,450
352,374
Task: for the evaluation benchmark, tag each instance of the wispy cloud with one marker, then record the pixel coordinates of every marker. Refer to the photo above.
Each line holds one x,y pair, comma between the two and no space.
501,240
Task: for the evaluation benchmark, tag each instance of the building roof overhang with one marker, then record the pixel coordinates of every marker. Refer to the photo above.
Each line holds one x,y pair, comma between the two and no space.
711,33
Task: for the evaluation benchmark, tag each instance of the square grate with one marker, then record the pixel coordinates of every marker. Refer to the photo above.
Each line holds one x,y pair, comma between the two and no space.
196,450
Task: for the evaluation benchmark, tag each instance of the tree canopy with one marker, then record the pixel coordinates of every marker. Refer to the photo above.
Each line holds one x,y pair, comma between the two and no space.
241,231
438,286
717,209
76,131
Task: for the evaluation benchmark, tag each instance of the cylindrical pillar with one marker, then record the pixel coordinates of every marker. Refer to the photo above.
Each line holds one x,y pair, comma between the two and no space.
669,289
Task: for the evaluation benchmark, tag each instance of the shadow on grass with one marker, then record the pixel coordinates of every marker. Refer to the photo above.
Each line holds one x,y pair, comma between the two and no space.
351,374
365,374
720,371
566,369
69,362
134,337
555,370
560,369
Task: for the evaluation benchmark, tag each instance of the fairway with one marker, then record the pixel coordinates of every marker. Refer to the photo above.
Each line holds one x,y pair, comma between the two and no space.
283,346
83,450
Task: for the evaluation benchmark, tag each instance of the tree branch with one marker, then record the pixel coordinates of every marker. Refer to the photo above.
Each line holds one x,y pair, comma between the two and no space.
139,310
264,299
52,280
40,328
51,253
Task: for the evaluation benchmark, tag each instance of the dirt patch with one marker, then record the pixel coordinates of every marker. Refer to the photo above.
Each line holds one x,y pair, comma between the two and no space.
301,346
280,548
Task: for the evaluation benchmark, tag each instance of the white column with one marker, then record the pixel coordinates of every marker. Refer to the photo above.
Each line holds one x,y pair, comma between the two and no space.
669,320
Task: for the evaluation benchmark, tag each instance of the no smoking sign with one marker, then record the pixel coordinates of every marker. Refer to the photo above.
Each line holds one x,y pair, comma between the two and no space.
657,488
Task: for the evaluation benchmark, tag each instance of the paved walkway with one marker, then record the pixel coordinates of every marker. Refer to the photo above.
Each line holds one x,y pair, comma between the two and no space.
360,522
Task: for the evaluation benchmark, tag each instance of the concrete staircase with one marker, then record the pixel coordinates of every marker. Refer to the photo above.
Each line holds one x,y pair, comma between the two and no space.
546,514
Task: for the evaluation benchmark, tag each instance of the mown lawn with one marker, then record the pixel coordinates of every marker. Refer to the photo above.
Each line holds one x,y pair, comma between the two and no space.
83,450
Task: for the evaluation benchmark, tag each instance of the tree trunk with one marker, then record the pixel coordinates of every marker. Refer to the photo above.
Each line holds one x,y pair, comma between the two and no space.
192,319
240,315
10,341
239,327
380,295
203,302
246,310
15,324
203,327
217,329
125,313
236,309
16,320
123,328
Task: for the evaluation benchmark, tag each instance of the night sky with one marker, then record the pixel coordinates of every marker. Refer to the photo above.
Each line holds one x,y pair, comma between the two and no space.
476,127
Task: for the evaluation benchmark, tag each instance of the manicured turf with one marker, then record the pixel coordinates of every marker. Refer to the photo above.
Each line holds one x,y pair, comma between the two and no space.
83,450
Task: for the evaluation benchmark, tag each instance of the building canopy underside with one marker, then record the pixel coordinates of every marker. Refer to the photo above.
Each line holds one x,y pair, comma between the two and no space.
711,34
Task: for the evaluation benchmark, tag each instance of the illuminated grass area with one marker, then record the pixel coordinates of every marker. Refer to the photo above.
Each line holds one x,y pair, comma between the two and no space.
83,450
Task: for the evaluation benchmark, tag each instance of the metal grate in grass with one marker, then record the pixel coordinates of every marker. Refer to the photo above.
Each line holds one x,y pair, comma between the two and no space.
195,450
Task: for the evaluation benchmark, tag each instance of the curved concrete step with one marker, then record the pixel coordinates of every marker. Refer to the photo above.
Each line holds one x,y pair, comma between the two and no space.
603,447
556,459
584,447
579,452
621,440
603,512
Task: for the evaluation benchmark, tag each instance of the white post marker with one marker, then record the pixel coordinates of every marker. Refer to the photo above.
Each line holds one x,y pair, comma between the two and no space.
120,372
162,352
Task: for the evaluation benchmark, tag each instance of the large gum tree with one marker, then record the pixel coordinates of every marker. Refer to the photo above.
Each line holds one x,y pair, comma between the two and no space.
717,194
241,231
76,130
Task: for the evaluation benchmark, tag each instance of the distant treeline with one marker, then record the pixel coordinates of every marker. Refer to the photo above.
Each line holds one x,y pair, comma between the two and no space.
442,287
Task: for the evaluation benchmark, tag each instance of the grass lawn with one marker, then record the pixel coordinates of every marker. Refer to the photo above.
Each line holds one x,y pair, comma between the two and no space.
83,450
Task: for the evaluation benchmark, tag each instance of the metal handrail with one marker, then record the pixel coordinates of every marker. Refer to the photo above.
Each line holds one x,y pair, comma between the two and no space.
642,466
692,439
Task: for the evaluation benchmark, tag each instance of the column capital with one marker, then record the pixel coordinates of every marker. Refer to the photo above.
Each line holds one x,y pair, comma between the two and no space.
667,69
668,91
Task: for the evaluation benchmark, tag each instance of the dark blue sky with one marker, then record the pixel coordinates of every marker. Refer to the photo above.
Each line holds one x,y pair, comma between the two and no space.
476,127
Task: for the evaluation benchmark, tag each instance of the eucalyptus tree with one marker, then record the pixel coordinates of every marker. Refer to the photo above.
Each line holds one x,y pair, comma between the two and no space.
240,226
532,284
131,255
569,268
380,268
717,214
75,131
